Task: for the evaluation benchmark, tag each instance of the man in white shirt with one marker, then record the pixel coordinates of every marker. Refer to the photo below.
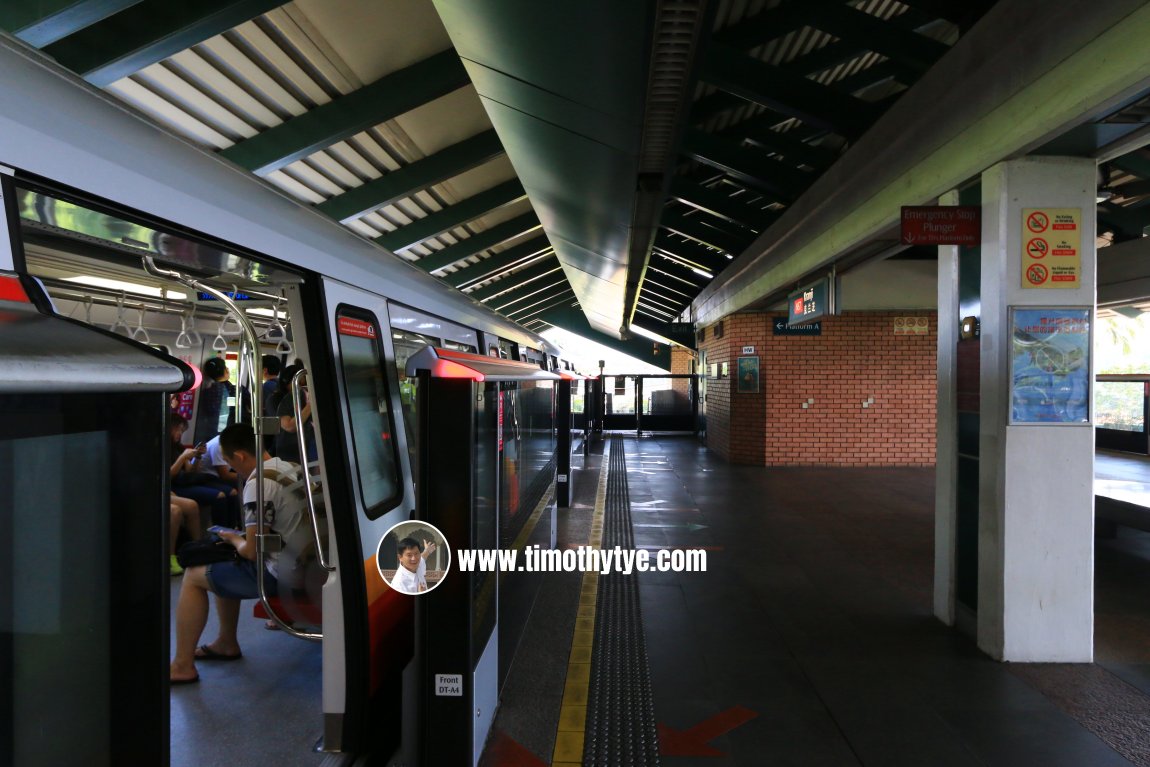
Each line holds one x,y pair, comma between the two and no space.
410,578
284,514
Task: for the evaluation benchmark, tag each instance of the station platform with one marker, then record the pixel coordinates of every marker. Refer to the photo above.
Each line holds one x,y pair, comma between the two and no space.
810,638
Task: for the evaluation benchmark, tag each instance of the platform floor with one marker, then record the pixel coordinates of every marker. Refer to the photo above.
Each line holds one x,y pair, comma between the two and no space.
810,640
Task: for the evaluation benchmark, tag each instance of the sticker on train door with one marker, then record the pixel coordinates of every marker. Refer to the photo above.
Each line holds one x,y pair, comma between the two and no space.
350,326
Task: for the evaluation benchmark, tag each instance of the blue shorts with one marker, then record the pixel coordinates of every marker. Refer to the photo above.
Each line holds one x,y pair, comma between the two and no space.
237,580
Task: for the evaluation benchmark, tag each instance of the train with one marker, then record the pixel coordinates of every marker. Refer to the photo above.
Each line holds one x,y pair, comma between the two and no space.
131,258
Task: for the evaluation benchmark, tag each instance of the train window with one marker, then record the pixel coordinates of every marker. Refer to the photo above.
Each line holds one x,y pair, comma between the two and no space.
459,347
406,344
413,321
507,350
369,410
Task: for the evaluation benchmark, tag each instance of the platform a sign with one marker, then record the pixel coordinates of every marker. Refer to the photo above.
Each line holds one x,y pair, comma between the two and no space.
941,225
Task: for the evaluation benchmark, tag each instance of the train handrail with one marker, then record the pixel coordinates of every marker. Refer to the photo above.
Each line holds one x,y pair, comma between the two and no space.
248,340
301,439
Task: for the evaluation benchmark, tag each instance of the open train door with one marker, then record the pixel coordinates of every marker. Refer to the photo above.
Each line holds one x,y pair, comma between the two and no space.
368,629
83,554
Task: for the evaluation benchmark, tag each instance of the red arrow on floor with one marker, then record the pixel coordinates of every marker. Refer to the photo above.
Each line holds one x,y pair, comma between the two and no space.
502,751
693,742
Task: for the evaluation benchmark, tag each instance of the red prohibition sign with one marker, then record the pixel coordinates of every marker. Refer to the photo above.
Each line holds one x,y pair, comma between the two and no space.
1037,222
1037,248
1036,274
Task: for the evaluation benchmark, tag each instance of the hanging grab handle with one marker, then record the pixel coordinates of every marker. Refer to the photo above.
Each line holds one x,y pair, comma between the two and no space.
119,321
249,345
141,333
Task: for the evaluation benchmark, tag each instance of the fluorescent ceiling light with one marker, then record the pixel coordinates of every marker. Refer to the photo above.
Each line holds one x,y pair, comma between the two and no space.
127,287
706,274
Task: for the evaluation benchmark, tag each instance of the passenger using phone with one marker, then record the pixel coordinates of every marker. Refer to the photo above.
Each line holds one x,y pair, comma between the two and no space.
285,510
216,495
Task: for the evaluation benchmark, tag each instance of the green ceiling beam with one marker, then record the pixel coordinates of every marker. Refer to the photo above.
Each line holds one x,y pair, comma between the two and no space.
568,301
830,55
691,251
382,100
494,265
789,94
660,275
657,285
42,22
455,215
758,131
514,281
543,289
701,228
419,175
658,301
1130,223
910,48
781,182
716,203
480,242
650,310
770,24
149,32
673,277
1133,164
541,304
960,12
573,320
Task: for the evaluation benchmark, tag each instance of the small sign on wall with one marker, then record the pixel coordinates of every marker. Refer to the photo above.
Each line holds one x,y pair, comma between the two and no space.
911,326
1051,247
748,350
748,375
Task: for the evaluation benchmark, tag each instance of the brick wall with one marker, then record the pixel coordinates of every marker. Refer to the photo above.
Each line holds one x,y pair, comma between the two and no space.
857,357
681,365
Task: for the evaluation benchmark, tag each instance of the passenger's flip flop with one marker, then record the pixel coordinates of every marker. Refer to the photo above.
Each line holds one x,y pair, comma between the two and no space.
203,652
193,680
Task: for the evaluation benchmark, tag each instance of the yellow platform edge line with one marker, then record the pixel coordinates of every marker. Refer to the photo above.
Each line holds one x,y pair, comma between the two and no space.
576,685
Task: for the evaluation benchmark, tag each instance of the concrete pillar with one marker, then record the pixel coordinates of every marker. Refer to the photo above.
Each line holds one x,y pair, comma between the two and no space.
946,452
1036,497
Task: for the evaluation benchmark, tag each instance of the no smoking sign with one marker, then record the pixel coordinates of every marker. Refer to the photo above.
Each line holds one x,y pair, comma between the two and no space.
1051,248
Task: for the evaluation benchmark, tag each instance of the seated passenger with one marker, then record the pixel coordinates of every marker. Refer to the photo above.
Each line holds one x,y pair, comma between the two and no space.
213,463
285,511
411,577
209,490
185,513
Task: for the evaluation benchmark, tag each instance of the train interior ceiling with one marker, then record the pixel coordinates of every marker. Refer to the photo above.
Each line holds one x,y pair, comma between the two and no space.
91,263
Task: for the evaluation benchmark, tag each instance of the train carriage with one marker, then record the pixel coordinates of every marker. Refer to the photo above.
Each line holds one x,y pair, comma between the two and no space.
131,259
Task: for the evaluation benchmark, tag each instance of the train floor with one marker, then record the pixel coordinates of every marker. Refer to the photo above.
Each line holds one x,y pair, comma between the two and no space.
263,710
810,638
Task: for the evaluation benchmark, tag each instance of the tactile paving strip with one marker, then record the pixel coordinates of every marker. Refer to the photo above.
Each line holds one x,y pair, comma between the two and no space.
620,707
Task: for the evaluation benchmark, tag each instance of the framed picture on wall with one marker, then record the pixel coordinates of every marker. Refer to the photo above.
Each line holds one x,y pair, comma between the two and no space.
1050,365
748,373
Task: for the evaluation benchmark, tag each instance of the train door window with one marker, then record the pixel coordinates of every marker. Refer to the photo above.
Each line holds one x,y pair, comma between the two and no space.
414,321
369,410
459,347
406,344
507,350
